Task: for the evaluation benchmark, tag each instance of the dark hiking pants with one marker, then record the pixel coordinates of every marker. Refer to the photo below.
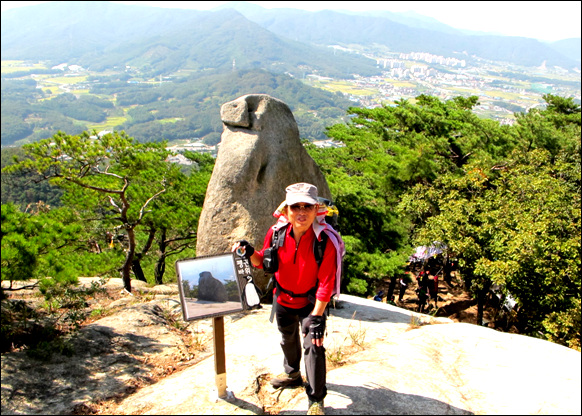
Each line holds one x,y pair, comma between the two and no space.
290,321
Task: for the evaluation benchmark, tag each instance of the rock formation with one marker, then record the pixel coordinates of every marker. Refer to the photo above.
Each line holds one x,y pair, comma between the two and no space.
260,155
210,288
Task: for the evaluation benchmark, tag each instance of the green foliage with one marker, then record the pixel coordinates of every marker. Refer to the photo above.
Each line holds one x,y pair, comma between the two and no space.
15,108
517,223
112,177
505,200
69,298
33,245
25,189
119,187
87,108
563,327
387,151
14,129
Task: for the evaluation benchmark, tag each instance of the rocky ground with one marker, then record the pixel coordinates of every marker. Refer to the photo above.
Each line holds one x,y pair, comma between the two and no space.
150,341
135,355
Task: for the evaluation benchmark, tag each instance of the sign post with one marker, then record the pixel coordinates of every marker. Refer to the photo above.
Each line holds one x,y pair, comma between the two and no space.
211,287
219,356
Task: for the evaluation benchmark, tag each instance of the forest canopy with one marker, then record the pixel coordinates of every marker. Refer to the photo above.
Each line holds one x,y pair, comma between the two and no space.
505,200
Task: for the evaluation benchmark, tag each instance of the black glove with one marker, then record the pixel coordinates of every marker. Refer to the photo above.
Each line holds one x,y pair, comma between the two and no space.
315,326
245,249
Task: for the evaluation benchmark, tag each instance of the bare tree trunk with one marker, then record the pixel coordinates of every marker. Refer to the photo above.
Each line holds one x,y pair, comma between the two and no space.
126,269
136,263
126,272
160,270
137,270
161,263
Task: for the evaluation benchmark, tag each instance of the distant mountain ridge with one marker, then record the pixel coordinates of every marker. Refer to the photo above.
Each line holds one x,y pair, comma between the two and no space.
104,33
568,47
401,33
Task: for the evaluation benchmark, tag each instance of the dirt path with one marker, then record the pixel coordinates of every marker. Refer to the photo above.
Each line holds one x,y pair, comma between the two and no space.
453,302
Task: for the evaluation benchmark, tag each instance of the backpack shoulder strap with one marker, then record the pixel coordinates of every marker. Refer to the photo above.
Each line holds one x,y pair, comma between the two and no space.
319,247
278,238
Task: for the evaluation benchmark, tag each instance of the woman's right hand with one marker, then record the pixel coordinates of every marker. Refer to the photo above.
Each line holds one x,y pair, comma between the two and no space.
243,248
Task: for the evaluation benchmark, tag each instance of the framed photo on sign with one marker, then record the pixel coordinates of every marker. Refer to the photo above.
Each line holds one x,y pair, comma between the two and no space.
209,286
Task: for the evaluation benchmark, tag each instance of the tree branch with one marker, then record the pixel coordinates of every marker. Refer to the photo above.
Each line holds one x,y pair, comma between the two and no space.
107,173
113,203
142,210
171,240
177,250
95,188
12,289
148,244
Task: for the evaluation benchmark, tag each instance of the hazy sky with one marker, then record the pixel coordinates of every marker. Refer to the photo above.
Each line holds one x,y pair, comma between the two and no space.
544,20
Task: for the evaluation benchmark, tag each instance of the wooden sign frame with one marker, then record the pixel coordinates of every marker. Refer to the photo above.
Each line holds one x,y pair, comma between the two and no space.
209,286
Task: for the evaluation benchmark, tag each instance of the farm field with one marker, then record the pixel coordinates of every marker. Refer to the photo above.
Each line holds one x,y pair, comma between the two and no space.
8,67
500,91
109,124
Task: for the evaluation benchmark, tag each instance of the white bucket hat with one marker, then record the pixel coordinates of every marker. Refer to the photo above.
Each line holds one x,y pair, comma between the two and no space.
301,192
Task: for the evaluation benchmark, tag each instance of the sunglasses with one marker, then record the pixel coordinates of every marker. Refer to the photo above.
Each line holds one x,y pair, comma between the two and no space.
306,207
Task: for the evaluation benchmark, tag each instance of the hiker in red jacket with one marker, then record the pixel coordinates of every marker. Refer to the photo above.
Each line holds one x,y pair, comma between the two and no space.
302,291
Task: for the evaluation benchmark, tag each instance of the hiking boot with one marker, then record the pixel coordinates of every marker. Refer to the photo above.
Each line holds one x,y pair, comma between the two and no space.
287,380
316,408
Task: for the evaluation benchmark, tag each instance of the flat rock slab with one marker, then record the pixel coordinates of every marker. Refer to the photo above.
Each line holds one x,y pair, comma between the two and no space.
409,364
387,360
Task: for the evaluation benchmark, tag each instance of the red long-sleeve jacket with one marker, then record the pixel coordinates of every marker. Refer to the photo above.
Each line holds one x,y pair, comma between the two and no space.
298,271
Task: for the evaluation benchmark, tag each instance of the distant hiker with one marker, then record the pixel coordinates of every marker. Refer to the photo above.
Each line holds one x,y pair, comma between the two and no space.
433,284
422,290
404,282
302,288
109,239
448,268
379,296
393,281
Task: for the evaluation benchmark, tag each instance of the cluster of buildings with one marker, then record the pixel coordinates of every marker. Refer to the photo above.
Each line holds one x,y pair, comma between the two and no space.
433,59
407,76
72,68
197,146
399,67
326,144
193,146
391,63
